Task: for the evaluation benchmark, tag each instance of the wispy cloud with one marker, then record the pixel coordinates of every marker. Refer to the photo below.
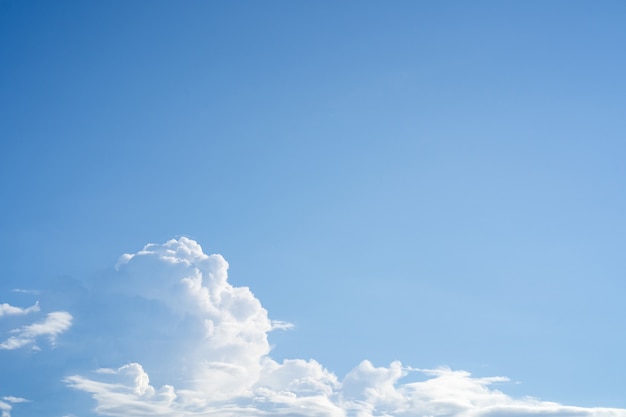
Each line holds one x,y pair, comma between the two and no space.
14,400
54,324
177,316
6,407
9,310
281,325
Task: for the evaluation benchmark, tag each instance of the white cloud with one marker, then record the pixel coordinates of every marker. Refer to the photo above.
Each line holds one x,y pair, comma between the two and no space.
9,310
281,325
205,341
6,408
14,400
54,324
127,392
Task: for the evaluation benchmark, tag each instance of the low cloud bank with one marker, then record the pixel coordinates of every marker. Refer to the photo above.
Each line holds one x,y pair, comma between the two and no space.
167,335
206,341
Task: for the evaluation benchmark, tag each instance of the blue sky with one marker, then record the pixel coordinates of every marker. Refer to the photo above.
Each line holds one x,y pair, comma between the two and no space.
434,183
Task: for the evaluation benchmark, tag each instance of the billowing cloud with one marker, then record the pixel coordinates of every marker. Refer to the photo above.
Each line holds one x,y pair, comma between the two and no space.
54,324
170,314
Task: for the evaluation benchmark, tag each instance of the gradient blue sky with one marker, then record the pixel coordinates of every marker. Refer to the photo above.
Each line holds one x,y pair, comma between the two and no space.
435,182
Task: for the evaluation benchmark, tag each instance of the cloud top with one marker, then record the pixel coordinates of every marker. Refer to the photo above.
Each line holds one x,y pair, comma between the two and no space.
221,330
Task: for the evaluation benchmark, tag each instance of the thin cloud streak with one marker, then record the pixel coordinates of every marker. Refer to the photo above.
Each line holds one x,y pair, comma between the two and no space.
54,324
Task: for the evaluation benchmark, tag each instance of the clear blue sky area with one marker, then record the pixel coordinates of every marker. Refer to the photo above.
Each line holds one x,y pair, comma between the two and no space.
435,182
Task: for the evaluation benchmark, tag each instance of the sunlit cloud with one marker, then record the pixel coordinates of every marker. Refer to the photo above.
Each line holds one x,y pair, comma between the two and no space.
170,314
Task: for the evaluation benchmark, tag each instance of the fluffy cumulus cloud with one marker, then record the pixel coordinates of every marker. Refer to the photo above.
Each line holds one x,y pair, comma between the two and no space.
177,320
166,334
